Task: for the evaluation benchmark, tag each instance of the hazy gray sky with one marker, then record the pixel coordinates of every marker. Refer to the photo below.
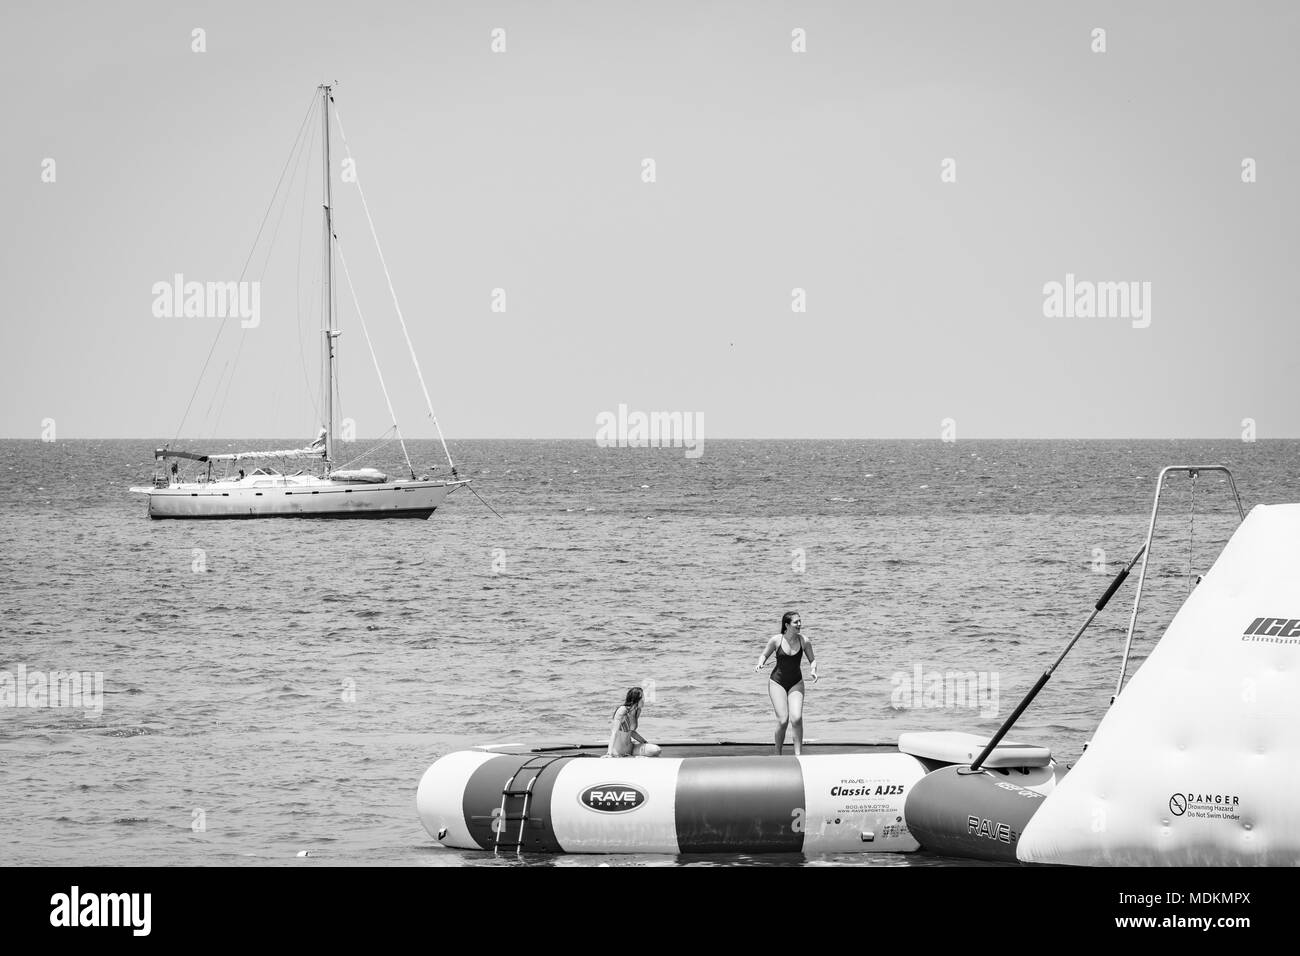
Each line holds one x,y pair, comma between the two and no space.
775,170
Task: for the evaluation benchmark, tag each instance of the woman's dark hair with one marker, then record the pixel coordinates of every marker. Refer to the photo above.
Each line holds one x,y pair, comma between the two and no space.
786,618
633,698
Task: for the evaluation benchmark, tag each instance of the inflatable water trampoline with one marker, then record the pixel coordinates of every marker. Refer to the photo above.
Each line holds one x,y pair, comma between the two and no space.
706,798
1197,761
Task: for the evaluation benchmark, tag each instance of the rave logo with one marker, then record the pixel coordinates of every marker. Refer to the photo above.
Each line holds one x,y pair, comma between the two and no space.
612,798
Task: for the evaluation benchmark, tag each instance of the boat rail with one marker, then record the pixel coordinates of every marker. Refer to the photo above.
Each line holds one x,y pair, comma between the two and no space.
1193,472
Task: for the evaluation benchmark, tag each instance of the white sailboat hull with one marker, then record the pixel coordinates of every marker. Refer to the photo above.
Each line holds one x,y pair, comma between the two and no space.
317,499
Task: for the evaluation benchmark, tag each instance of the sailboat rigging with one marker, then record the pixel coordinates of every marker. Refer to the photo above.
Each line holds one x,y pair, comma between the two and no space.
268,491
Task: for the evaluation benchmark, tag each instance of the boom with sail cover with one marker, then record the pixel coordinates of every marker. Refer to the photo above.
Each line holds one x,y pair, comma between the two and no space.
315,450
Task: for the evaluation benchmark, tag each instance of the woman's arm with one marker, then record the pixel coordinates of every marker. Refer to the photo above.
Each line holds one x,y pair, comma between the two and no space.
633,720
812,659
613,732
767,652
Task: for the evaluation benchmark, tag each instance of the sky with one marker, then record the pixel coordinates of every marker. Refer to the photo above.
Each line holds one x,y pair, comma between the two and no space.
524,170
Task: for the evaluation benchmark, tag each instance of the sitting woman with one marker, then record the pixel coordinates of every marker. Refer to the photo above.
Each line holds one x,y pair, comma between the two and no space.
624,741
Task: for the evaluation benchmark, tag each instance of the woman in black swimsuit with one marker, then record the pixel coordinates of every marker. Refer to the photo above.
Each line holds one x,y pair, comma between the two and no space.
786,684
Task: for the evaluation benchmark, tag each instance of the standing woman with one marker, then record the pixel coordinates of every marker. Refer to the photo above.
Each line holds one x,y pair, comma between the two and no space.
786,683
624,740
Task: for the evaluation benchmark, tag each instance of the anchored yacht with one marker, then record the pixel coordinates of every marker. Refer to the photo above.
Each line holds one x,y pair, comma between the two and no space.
271,489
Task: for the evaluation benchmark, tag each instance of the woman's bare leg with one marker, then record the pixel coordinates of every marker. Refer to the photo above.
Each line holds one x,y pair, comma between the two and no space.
777,693
796,716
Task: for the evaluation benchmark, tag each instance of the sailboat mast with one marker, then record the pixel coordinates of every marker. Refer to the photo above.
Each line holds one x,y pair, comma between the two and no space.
330,334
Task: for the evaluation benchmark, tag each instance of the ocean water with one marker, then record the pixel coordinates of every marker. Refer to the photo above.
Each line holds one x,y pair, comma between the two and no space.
274,687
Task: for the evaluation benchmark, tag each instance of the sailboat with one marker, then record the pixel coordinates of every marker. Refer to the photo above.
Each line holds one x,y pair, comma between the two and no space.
259,484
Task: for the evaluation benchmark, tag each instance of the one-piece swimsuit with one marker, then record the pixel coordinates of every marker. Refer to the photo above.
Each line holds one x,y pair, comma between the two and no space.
787,672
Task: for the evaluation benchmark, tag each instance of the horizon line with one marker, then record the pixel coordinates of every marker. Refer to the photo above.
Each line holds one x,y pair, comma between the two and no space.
670,446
